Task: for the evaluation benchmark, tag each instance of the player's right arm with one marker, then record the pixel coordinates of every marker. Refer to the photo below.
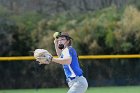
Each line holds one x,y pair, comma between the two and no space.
58,51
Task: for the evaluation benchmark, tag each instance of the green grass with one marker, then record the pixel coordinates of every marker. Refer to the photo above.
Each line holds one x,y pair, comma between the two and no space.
124,89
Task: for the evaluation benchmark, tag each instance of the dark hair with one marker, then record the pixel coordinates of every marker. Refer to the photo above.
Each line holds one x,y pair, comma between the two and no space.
70,40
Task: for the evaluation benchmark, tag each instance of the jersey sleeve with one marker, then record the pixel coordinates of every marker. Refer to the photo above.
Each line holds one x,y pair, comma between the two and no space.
66,53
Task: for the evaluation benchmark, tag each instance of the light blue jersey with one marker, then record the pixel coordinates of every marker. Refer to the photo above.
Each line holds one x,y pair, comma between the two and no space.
73,69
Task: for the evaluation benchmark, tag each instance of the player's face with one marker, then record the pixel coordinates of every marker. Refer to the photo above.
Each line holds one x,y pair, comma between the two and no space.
62,40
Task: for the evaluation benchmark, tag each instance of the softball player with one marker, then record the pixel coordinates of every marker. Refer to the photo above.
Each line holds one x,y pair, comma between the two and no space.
68,58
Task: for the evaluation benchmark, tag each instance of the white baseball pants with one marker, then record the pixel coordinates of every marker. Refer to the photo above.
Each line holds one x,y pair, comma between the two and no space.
78,85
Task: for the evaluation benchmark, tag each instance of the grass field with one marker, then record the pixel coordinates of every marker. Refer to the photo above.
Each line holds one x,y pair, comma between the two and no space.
124,89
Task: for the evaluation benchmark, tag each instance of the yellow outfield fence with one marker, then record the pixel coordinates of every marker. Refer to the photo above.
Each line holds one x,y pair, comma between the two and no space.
80,57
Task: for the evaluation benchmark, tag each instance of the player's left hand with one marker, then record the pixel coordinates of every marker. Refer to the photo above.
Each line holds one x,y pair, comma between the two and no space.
42,56
41,62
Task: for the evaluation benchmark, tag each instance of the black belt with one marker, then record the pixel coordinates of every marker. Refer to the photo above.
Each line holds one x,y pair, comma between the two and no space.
71,78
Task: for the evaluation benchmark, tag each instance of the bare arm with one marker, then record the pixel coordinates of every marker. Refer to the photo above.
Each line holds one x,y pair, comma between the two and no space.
59,60
62,60
58,51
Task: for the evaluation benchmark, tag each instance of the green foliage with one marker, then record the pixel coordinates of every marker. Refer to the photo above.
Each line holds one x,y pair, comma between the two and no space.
126,46
110,39
28,20
4,12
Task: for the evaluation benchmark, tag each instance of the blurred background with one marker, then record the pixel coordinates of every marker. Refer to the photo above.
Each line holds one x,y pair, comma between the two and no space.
98,27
